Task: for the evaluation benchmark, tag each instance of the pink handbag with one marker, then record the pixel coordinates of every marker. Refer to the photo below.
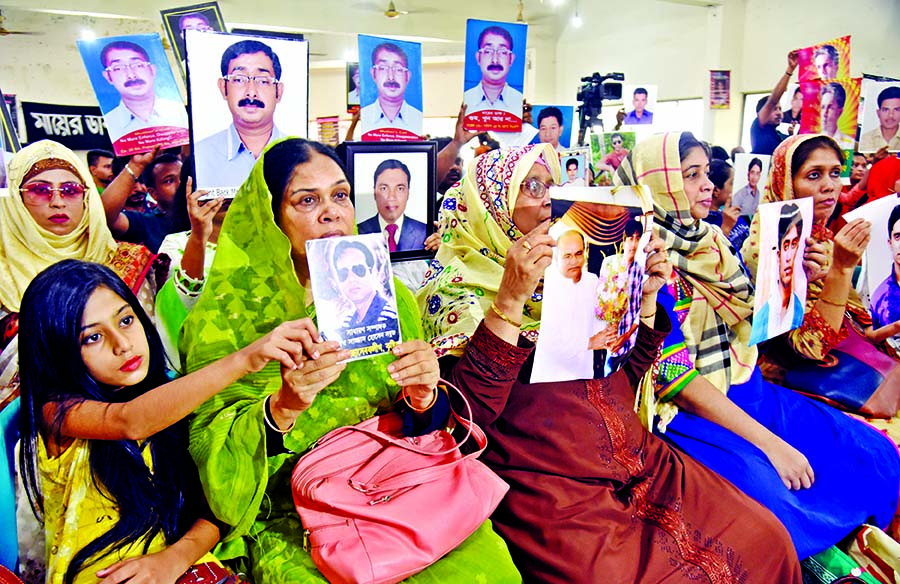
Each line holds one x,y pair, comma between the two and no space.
378,507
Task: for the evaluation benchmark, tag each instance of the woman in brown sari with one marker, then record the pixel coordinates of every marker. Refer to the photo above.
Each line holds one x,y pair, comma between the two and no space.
594,497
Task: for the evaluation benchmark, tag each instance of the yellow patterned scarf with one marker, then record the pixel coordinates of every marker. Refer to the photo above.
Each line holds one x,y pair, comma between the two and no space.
716,329
26,248
476,220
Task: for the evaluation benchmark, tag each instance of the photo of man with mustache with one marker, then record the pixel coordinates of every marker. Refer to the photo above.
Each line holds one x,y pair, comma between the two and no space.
251,86
391,73
128,68
495,57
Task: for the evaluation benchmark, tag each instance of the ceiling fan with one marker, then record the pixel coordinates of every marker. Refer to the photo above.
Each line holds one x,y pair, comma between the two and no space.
392,12
4,31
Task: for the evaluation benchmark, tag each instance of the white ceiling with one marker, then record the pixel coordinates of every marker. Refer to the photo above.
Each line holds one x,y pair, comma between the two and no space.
331,26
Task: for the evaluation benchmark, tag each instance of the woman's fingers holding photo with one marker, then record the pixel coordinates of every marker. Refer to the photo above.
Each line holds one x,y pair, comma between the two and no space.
416,364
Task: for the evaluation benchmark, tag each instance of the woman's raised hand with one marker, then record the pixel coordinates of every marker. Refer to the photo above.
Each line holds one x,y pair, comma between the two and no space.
815,260
526,261
201,213
658,268
850,243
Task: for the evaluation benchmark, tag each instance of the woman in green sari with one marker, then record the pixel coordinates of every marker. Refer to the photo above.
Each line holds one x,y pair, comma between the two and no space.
247,439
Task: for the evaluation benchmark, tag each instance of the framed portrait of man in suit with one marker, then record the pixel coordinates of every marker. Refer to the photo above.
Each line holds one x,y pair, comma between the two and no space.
394,193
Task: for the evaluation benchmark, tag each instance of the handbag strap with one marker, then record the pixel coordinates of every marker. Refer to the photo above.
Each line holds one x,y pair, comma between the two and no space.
427,473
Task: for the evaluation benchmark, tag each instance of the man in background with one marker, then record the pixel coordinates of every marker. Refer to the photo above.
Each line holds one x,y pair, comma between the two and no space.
764,137
639,115
100,166
402,233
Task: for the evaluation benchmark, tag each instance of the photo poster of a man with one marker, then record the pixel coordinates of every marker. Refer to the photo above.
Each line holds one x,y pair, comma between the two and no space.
881,265
751,173
592,288
880,116
245,92
824,61
554,124
352,88
719,89
353,287
831,108
494,75
639,103
141,104
792,109
574,164
391,89
391,191
781,280
204,17
614,147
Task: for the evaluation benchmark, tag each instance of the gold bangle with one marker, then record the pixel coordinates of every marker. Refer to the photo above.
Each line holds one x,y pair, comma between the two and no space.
500,313
433,401
832,302
270,419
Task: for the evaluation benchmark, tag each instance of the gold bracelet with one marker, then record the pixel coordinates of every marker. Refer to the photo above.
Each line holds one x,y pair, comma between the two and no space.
434,397
500,313
832,302
270,419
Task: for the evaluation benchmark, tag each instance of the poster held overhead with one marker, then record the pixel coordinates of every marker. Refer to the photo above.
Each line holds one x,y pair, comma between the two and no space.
391,89
134,85
494,75
827,60
245,92
204,17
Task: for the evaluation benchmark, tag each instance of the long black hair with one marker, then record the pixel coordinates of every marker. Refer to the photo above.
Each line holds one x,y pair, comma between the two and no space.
51,370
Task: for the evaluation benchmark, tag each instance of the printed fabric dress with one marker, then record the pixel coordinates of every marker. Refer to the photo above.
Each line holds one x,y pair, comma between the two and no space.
594,497
251,288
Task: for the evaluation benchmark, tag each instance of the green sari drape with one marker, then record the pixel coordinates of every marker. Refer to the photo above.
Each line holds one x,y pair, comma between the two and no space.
251,288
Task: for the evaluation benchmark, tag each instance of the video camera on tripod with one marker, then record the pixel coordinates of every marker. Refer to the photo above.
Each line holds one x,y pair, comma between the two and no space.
594,89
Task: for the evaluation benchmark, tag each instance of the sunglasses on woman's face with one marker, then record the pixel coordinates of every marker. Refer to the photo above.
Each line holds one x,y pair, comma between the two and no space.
40,193
359,269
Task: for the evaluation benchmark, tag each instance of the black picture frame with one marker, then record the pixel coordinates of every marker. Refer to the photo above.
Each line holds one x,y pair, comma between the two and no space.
172,16
10,131
362,160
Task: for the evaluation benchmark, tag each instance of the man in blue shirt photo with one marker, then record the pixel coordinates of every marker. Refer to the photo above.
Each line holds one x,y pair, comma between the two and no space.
251,85
639,115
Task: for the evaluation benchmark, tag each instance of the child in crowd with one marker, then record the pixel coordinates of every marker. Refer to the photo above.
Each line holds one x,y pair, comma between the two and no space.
104,450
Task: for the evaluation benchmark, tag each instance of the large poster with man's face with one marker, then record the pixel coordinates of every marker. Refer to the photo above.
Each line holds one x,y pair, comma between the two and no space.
828,60
391,89
494,75
880,116
134,85
831,108
245,92
780,279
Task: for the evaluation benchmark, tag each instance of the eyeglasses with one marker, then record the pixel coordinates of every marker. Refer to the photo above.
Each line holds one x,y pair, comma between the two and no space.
136,66
42,193
535,189
242,80
490,52
395,69
359,269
